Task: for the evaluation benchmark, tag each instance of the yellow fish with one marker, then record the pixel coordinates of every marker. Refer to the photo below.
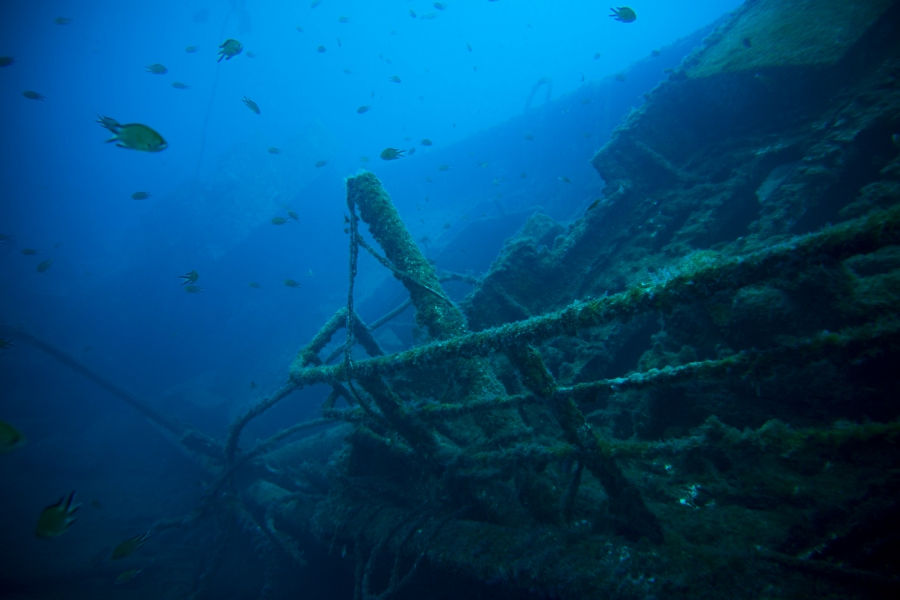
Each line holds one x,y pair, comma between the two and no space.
128,547
623,14
10,437
134,136
229,49
391,154
191,277
56,518
127,576
251,104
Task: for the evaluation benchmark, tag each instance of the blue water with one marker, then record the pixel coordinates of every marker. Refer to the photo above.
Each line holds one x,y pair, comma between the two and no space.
112,296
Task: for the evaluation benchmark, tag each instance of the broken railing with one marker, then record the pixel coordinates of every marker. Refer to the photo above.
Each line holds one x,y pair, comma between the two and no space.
381,412
372,405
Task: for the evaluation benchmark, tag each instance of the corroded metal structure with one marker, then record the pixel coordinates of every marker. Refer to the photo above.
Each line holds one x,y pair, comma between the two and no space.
690,390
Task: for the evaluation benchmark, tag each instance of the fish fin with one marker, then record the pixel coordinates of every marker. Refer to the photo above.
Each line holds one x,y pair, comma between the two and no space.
70,509
112,139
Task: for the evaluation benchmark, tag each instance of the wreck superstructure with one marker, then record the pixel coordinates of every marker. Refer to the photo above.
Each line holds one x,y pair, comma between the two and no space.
689,389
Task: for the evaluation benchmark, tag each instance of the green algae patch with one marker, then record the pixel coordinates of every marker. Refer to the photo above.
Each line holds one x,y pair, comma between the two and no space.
771,34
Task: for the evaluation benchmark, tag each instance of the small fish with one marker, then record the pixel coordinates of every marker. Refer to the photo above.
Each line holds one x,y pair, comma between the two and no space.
274,150
252,385
291,283
654,53
193,289
180,86
483,164
5,61
293,214
429,180
157,69
321,49
140,195
529,137
251,104
391,154
586,134
623,14
45,265
310,273
363,159
896,139
523,174
321,163
440,5
348,71
4,344
339,42
747,43
447,226
394,78
4,238
299,29
128,547
429,16
594,204
30,251
56,518
134,136
278,220
10,437
411,151
191,277
468,46
586,100
363,109
343,19
621,77
191,49
255,285
96,504
32,95
427,142
229,49
412,13
565,179
250,54
582,77
62,20
444,168
315,3
596,55
126,576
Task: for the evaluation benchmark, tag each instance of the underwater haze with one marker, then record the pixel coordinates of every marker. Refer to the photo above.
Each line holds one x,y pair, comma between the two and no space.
189,276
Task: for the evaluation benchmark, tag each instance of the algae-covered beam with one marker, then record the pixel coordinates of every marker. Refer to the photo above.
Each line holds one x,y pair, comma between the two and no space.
633,519
860,236
442,319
